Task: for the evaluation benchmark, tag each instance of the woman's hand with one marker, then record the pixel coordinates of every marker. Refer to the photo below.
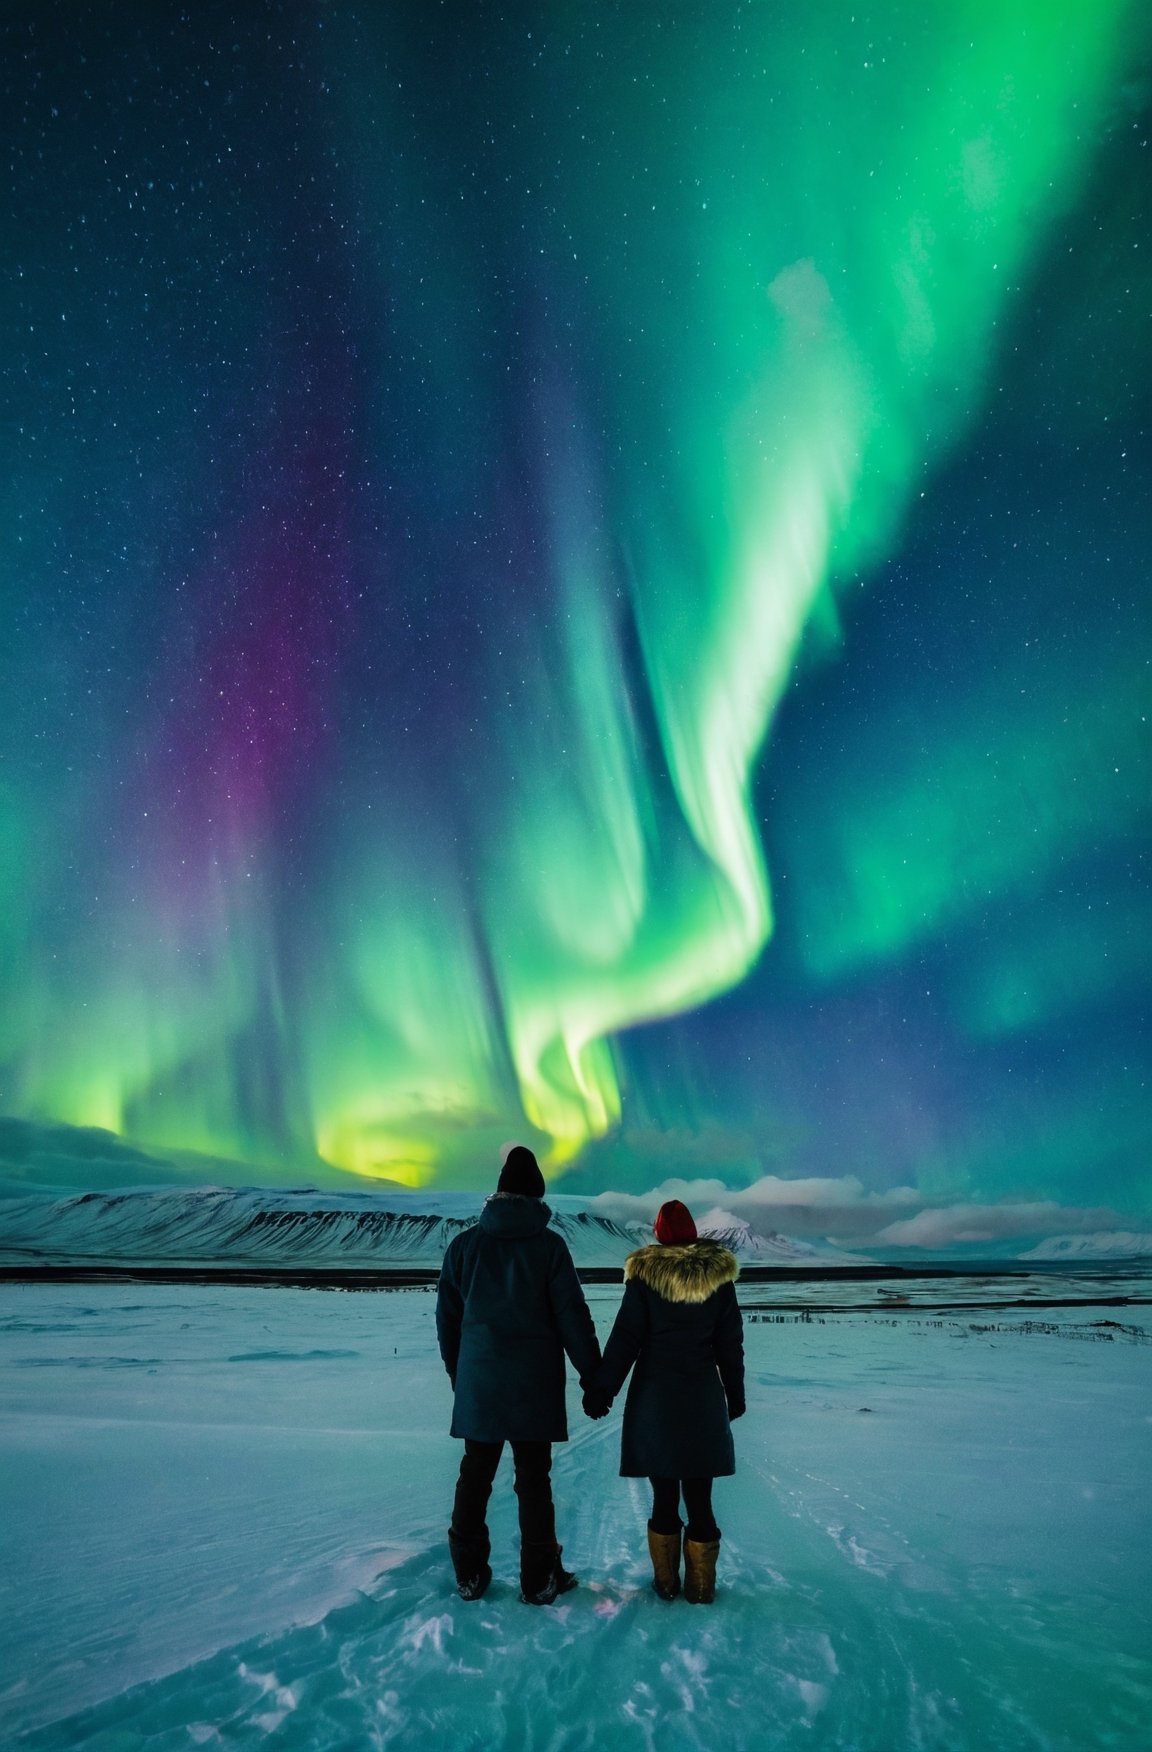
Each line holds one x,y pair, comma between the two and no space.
596,1405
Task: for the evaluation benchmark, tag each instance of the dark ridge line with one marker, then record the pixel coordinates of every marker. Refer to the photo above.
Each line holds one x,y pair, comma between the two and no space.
890,1307
220,1271
414,1277
249,1277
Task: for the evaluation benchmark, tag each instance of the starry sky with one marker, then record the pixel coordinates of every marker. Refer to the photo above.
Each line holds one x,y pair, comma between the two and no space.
580,573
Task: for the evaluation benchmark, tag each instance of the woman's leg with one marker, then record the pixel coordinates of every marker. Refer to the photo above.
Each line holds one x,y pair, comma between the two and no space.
698,1508
664,1536
701,1543
665,1505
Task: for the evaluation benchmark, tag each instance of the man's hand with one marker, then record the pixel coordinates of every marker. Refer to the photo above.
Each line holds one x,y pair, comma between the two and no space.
736,1408
596,1405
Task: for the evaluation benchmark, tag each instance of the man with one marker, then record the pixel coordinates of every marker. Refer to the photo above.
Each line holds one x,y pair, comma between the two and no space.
508,1306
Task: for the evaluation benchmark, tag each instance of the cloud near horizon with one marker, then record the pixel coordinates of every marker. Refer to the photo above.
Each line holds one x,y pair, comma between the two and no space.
952,1224
841,1211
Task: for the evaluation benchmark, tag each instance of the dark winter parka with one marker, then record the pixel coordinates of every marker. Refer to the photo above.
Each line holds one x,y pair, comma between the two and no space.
508,1307
680,1324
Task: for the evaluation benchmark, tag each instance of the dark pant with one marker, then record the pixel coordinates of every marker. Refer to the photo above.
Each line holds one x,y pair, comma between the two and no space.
697,1507
533,1463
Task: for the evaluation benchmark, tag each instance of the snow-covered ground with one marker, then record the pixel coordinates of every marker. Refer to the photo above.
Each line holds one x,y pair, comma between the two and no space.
223,1519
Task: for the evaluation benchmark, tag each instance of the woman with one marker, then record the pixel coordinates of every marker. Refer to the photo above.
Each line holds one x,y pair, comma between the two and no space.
680,1324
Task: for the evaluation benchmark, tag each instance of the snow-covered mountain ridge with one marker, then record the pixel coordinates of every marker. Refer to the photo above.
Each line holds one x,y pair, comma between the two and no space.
746,1244
255,1226
1109,1244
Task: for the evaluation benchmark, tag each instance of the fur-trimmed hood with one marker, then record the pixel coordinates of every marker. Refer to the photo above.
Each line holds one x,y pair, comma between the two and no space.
690,1273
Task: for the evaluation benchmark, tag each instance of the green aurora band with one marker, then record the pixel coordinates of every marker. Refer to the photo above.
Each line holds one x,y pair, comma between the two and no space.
777,257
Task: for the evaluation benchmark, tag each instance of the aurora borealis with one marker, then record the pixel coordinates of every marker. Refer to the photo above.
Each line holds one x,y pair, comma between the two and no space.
581,572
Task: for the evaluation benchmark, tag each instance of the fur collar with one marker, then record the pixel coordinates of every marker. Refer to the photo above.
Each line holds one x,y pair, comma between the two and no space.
683,1274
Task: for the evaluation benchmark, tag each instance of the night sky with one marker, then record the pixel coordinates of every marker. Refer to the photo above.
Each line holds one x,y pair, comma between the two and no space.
581,573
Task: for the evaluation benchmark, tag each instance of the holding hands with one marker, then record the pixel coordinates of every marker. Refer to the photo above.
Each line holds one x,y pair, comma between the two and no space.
596,1404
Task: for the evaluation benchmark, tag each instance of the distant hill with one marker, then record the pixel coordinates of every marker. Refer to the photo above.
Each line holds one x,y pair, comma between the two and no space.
769,1249
1111,1244
255,1226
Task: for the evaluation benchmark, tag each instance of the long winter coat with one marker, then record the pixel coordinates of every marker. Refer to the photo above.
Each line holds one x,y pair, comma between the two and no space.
508,1307
680,1323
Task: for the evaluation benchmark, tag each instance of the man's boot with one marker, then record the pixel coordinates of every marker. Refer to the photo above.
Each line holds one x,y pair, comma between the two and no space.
664,1550
700,1570
470,1562
543,1577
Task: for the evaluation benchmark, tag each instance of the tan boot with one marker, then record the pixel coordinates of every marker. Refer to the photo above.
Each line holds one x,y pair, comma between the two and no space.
700,1570
664,1550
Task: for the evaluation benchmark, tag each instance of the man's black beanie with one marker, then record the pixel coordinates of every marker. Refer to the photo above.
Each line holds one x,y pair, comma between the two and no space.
521,1173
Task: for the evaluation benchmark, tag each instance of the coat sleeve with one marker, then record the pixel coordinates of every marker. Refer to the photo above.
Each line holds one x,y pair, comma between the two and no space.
728,1342
577,1333
449,1314
625,1340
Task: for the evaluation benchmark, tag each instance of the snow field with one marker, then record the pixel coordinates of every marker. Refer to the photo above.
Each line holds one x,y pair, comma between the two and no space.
224,1516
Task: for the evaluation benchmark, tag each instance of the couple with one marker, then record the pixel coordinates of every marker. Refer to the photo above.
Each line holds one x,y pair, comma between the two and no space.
509,1306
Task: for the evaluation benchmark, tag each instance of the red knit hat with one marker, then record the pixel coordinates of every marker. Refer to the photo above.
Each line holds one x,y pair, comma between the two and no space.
674,1225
